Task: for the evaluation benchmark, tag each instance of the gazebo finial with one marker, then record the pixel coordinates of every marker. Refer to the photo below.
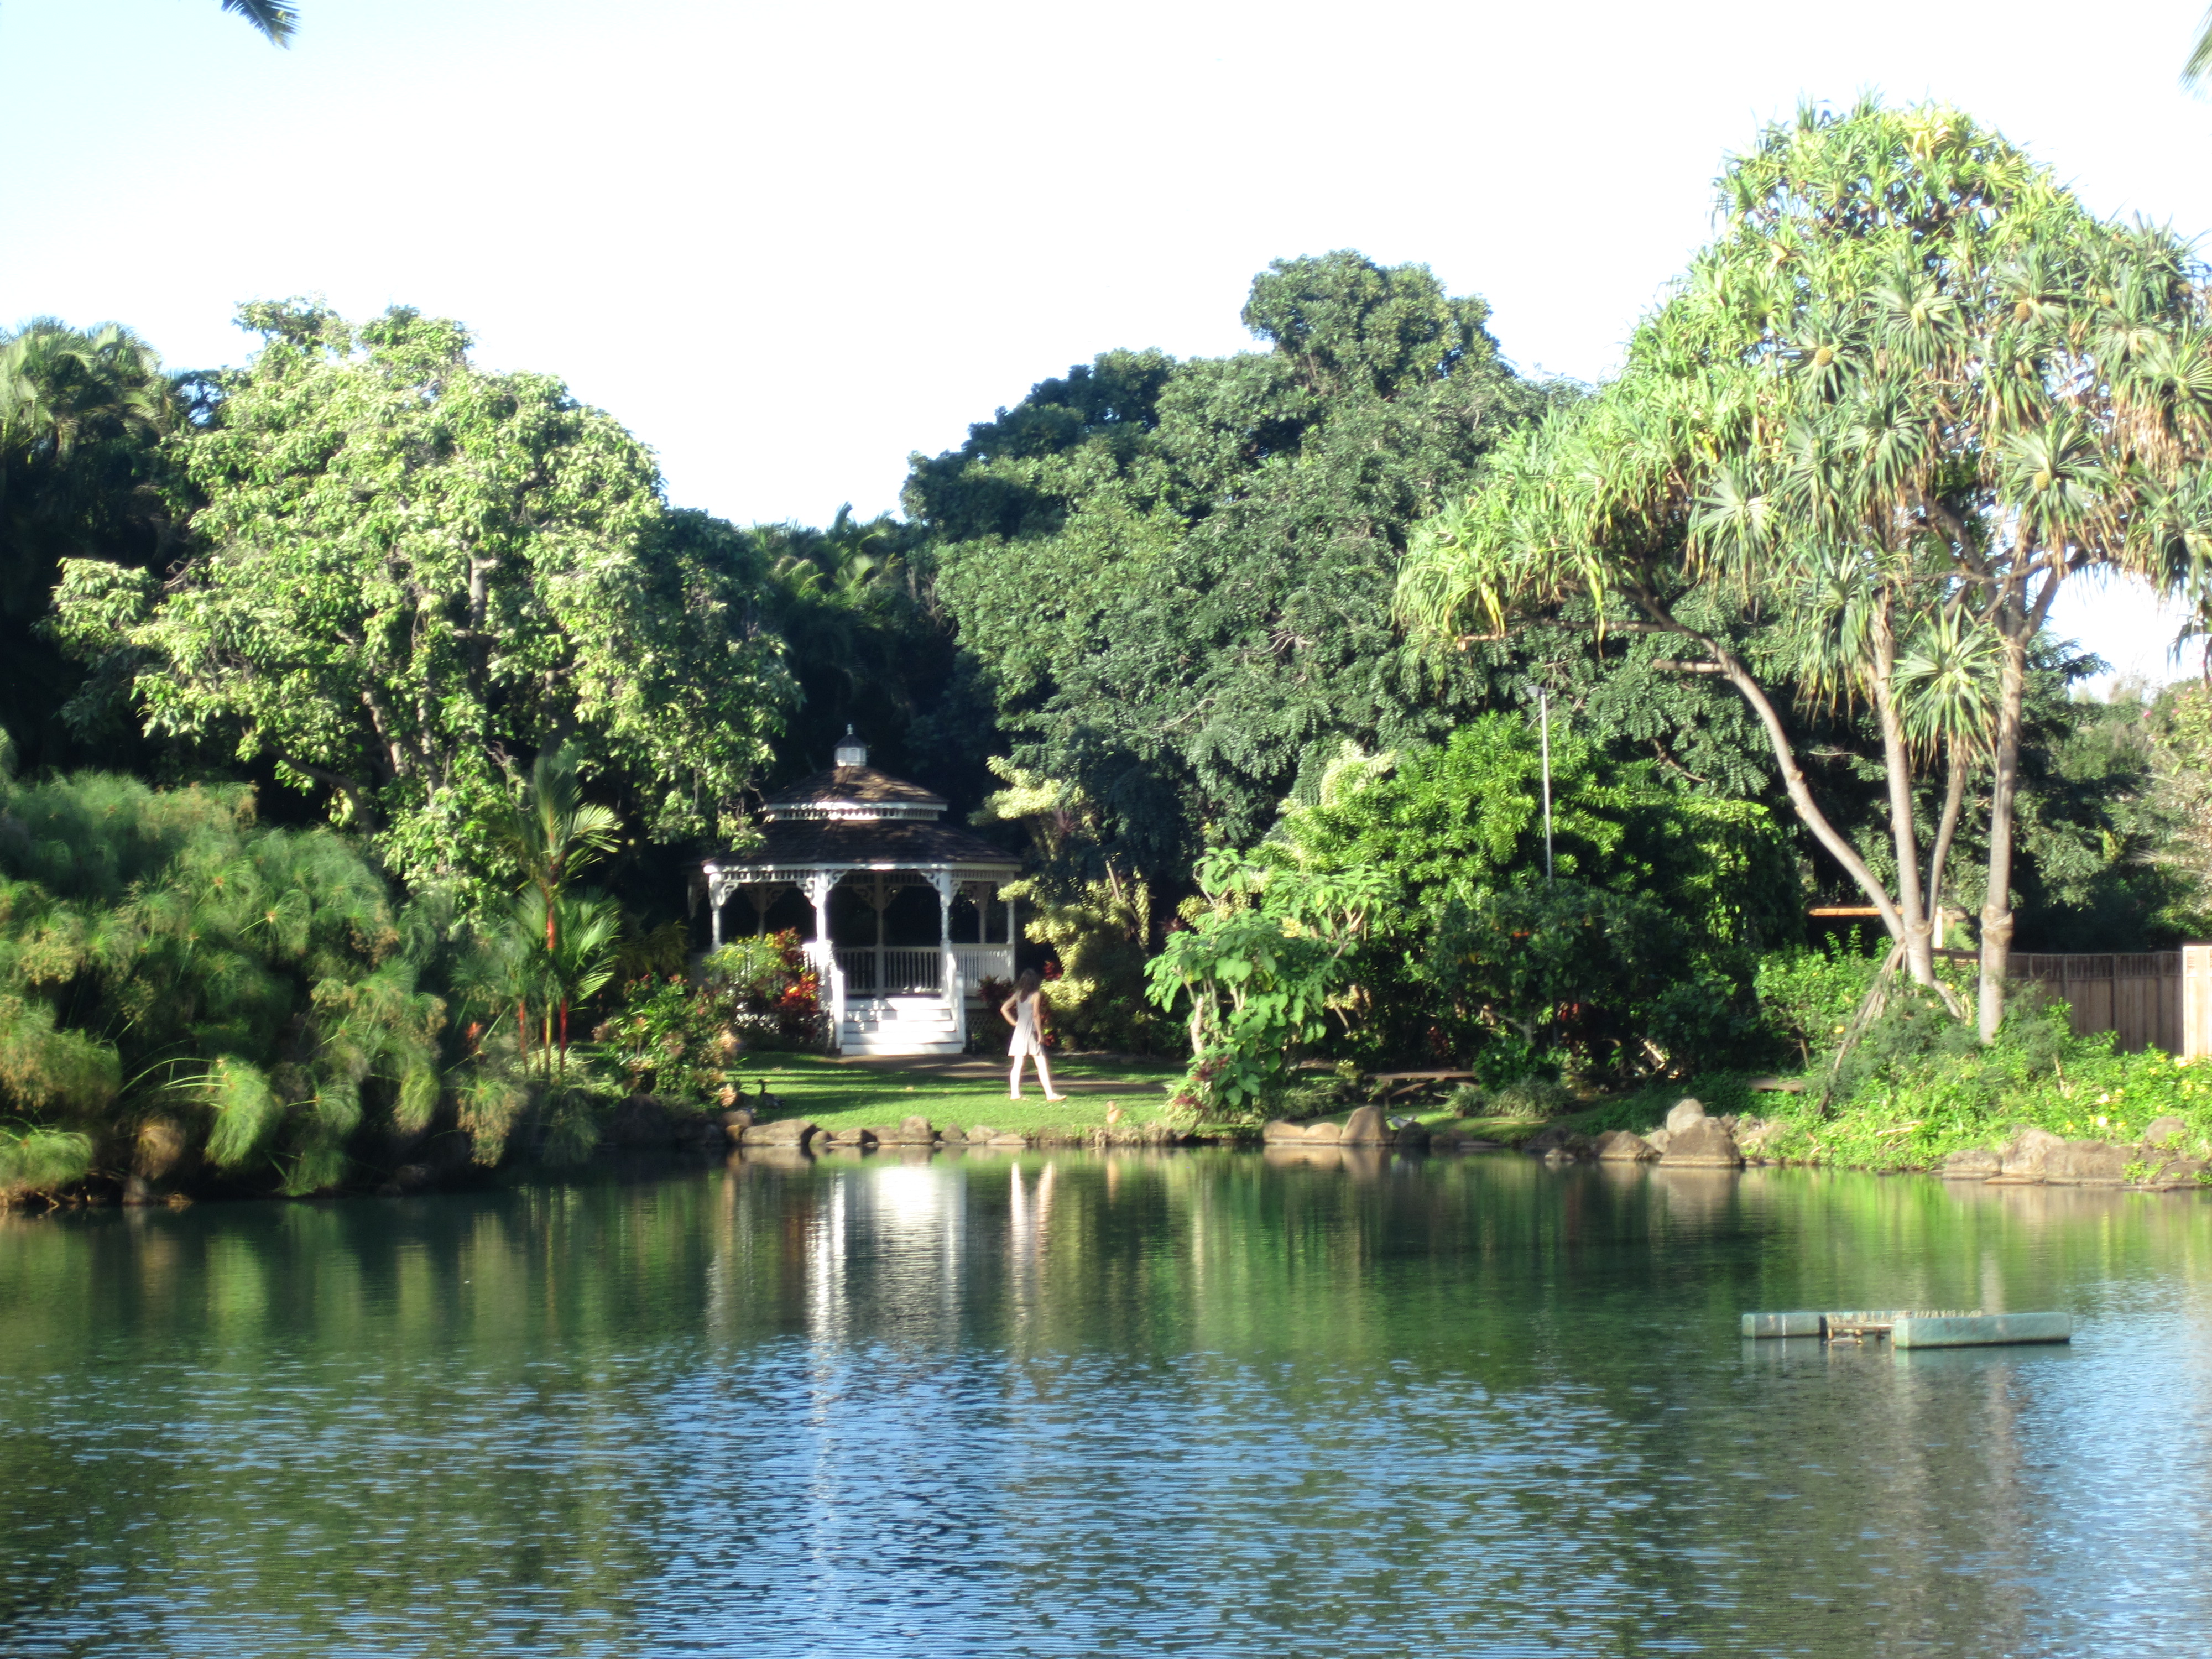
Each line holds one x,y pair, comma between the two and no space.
852,751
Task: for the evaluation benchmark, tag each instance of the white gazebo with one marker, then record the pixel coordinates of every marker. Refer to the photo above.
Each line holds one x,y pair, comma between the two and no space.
877,835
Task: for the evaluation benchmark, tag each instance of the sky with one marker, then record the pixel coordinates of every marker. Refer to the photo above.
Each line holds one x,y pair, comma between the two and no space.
789,245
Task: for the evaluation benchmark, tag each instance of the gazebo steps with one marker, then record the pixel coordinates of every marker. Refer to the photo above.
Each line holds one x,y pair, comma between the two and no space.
898,1042
899,1025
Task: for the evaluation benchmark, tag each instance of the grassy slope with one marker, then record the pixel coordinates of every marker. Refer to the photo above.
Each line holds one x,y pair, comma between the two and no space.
844,1095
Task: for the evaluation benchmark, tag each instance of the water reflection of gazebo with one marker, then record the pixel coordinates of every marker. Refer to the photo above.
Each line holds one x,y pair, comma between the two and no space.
856,841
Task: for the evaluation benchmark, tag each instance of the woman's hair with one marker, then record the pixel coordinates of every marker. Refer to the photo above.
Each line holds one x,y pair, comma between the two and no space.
1026,985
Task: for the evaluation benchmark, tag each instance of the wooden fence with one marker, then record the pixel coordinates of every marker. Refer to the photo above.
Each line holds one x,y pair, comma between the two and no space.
2145,999
2137,996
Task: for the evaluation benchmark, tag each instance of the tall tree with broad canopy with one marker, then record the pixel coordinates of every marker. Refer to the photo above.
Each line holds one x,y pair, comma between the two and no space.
412,575
1178,574
85,472
1911,388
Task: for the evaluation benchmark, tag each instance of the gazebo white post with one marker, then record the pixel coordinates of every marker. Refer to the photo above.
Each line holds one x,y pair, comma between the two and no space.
818,883
717,892
879,899
1013,937
947,971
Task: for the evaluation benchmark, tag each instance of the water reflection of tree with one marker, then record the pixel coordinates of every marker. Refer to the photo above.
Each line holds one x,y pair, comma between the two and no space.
559,1395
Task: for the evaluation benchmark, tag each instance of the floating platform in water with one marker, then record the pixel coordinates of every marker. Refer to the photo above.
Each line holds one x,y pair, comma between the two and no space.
1907,1328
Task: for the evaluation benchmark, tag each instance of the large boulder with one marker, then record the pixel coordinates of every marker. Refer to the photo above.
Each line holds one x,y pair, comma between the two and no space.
1413,1137
954,1135
2027,1153
2163,1130
910,1132
1702,1144
1972,1163
1327,1134
1278,1129
1619,1145
1682,1114
1367,1127
786,1132
1656,1139
2088,1163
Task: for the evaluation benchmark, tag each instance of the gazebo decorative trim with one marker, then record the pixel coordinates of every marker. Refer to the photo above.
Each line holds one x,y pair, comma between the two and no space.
854,826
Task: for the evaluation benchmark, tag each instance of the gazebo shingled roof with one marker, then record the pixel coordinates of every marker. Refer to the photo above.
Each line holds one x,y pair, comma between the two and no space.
849,786
863,843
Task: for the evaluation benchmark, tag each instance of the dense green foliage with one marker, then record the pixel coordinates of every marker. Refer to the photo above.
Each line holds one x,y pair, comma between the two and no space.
411,573
1250,650
1178,574
84,473
684,1036
1638,950
170,971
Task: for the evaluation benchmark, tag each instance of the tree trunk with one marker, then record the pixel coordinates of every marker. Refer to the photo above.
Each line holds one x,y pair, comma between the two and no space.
1947,828
1918,933
1793,777
2020,622
1996,896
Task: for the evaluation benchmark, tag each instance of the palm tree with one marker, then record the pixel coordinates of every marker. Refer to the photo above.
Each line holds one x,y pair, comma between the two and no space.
2199,66
553,833
277,22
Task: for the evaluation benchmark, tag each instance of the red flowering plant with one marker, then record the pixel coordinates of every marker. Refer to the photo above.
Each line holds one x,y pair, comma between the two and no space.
688,1037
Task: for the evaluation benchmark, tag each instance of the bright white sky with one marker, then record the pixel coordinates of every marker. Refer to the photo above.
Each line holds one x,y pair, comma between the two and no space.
789,245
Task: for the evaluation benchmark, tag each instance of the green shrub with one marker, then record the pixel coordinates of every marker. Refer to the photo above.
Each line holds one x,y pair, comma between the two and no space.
164,958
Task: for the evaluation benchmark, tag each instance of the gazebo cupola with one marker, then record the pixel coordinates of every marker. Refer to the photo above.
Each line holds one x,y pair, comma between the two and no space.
863,830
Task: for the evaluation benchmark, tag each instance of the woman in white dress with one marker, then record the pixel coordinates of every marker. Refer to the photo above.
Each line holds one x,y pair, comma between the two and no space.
1026,1011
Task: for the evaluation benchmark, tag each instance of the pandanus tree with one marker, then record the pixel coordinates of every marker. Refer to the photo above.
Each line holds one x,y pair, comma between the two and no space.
1912,373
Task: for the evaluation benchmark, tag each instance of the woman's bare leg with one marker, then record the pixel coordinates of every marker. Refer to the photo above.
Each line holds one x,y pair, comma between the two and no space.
1044,1076
1014,1080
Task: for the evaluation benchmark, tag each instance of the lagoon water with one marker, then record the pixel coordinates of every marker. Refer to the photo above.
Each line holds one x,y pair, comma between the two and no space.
1198,1403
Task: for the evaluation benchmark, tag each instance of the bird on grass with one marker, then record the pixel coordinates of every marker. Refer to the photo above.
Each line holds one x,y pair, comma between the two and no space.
770,1102
1113,1113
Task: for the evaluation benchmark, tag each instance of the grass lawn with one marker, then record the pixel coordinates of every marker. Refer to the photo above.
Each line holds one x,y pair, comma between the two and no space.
861,1093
